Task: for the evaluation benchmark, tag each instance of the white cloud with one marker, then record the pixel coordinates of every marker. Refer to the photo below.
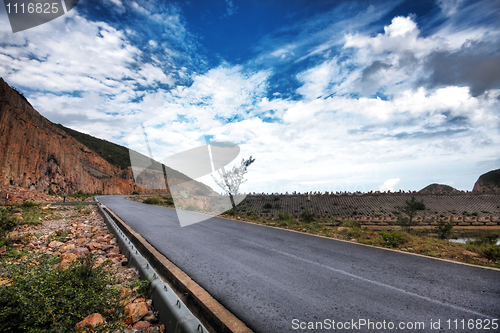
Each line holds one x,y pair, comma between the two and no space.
389,185
231,8
449,7
116,3
336,137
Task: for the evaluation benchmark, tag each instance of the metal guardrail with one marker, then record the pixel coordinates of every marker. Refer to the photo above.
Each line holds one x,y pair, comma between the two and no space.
172,312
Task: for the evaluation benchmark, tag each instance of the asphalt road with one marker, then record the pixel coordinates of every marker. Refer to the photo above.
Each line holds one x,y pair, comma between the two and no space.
277,280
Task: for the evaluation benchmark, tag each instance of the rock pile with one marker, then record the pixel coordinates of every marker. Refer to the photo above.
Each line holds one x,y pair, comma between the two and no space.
10,194
89,234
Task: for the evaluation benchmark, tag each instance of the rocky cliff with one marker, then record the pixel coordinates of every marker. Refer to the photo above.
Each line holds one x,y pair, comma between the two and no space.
37,154
488,183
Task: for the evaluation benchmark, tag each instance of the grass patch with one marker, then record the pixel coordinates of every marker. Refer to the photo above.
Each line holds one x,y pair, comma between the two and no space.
393,238
29,213
81,195
253,216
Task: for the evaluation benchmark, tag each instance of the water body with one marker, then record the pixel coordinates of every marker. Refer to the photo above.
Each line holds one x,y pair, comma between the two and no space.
465,240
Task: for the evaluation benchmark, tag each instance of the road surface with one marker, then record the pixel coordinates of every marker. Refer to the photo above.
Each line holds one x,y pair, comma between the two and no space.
282,281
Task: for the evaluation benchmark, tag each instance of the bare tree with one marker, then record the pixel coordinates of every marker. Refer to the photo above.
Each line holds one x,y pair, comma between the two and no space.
230,181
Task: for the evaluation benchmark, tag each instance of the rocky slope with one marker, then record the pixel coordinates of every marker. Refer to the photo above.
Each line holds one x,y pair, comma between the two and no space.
86,233
488,183
37,154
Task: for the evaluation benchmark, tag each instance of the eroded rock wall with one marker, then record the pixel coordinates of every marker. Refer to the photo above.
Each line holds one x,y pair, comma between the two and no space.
36,154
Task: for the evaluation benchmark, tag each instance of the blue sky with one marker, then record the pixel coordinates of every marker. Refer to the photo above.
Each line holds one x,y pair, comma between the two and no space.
326,95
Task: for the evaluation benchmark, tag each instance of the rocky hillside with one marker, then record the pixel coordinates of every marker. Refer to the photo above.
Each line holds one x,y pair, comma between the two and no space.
437,189
488,182
37,154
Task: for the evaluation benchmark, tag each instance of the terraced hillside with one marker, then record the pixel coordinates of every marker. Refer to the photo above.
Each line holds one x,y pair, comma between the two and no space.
461,209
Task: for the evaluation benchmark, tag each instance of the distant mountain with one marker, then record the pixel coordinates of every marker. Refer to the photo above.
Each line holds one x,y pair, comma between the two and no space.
38,154
437,189
488,182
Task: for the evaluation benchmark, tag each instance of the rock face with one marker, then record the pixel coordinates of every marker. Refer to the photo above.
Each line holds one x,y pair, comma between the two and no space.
488,183
437,189
37,154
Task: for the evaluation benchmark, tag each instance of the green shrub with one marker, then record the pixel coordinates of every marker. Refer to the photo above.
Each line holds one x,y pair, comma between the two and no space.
393,238
444,230
168,200
153,200
491,252
489,239
6,223
44,299
267,206
308,217
28,204
253,216
285,216
81,195
142,286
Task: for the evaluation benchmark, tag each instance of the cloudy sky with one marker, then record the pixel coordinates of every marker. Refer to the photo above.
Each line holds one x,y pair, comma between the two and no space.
326,95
